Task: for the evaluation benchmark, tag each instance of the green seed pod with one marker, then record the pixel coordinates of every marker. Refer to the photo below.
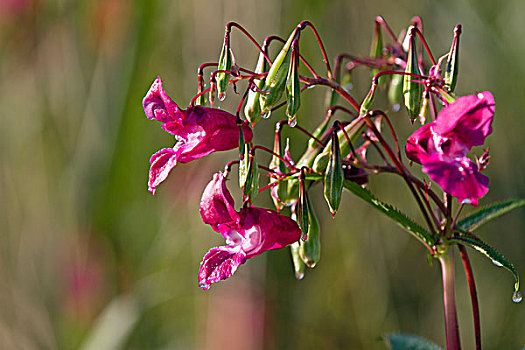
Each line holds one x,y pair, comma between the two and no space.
376,50
277,165
251,184
274,84
298,264
452,67
201,100
303,210
353,130
424,107
293,86
252,110
243,163
225,63
310,250
367,102
412,90
395,91
333,180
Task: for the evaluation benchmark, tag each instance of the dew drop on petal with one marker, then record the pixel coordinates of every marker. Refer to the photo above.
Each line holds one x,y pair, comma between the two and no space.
266,115
517,297
204,286
299,275
222,96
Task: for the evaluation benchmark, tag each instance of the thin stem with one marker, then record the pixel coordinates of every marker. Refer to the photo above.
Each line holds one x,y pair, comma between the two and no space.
288,164
473,294
304,24
449,301
385,25
332,84
278,38
427,48
245,32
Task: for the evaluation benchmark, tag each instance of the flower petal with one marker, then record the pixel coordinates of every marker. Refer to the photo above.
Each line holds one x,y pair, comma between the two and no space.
159,106
219,264
420,144
458,177
161,164
217,205
265,229
468,119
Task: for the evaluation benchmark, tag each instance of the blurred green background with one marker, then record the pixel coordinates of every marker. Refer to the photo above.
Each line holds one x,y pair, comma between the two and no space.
90,260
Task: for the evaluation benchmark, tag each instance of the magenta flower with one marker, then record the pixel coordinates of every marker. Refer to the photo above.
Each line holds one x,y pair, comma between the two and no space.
442,145
248,233
198,130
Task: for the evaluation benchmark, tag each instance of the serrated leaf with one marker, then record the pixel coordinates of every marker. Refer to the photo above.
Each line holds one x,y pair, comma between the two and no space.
409,342
486,214
393,213
474,242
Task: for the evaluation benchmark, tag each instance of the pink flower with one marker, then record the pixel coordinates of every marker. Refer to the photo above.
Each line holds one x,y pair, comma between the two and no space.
442,145
198,130
248,233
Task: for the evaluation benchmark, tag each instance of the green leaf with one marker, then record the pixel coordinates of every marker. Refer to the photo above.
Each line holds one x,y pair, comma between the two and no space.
486,214
474,242
409,342
393,213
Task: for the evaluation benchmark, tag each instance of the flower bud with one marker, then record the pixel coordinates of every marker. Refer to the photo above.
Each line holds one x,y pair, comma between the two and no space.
333,180
274,84
225,63
452,67
412,90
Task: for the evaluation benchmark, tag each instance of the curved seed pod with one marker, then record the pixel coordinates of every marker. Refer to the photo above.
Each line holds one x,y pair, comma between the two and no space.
333,180
274,84
252,110
412,90
310,250
225,63
452,67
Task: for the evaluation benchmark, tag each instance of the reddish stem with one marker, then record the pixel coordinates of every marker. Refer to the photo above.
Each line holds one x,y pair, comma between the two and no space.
449,301
473,294
304,24
245,32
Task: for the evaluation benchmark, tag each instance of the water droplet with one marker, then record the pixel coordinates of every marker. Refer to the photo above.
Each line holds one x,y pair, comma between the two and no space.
311,264
396,107
267,114
204,286
304,237
299,275
222,96
497,263
466,201
349,87
517,297
292,122
310,87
